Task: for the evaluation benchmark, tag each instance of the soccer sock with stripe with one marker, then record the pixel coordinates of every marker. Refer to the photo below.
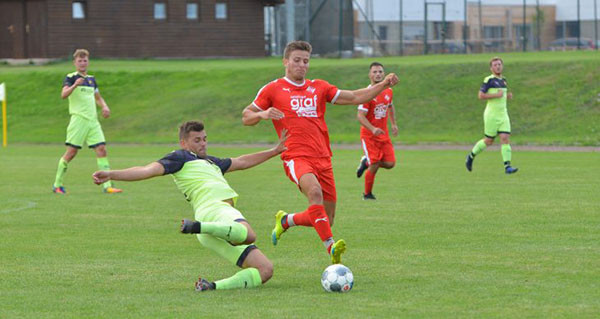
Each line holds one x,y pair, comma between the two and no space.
320,221
478,148
104,166
60,172
296,219
369,181
234,232
506,154
247,278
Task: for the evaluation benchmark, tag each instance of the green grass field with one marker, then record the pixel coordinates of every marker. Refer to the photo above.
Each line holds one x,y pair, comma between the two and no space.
556,97
438,242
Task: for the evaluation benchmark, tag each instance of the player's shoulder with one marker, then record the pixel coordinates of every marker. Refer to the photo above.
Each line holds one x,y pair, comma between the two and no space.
180,155
488,78
72,74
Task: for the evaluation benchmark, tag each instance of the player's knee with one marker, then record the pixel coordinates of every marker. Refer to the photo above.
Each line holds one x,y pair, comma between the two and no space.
101,151
315,194
488,141
265,269
250,238
389,165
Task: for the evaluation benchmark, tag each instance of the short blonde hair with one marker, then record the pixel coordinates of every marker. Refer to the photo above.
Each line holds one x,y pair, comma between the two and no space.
80,53
296,45
496,59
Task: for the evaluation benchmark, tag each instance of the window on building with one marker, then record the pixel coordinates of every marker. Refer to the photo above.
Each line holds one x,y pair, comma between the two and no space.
383,32
191,11
221,11
493,32
78,10
160,11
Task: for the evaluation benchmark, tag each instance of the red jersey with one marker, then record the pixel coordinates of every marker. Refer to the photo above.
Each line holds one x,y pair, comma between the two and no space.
303,106
377,114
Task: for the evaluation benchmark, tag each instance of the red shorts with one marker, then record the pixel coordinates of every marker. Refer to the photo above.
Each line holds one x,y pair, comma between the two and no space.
319,166
378,151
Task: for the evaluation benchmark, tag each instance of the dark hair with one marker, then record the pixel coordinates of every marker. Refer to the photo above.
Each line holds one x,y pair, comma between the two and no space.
375,64
190,126
296,45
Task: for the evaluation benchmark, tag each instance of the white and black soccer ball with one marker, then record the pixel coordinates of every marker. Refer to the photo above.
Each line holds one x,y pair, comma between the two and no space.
337,278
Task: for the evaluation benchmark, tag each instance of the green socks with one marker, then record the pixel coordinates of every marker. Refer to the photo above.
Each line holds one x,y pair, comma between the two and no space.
60,172
235,232
247,278
103,166
479,147
506,153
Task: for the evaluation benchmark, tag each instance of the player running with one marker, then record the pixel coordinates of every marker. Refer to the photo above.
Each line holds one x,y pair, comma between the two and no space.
374,135
82,91
298,105
495,117
220,227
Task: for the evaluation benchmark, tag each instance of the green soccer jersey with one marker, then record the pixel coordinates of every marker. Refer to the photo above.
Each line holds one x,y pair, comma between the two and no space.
493,84
200,179
82,101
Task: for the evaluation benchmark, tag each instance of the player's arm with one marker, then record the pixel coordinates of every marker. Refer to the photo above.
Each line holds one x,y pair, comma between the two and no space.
252,114
251,160
68,88
362,119
361,96
100,102
136,173
393,120
487,96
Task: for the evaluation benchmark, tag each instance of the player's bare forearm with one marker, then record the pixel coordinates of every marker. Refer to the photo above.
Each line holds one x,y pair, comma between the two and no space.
392,114
251,160
66,91
362,119
487,96
250,115
361,96
136,173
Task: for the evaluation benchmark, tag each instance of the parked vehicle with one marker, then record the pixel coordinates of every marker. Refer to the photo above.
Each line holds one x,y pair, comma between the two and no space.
565,44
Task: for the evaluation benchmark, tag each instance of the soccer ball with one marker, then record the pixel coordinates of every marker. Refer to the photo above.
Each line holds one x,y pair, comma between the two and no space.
337,278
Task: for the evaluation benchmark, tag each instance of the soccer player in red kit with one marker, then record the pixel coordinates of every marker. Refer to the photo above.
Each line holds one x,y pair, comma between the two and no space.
374,136
298,105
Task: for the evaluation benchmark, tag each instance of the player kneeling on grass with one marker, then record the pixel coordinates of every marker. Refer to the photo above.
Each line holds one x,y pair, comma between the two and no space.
219,226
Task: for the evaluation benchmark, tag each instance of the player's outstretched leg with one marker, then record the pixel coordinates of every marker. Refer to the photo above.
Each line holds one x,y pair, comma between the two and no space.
278,229
337,250
233,232
362,166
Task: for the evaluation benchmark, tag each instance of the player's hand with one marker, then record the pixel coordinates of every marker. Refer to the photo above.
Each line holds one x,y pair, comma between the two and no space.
377,131
100,177
500,94
271,114
105,112
509,95
280,148
79,82
395,130
391,80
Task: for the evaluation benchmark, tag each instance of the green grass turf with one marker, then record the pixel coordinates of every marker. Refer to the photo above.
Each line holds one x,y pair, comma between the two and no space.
556,97
438,242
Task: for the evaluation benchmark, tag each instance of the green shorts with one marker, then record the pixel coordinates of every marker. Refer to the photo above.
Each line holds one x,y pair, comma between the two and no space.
494,124
82,130
223,212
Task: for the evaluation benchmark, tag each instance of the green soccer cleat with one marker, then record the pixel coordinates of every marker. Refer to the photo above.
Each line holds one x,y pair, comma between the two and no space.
278,230
337,250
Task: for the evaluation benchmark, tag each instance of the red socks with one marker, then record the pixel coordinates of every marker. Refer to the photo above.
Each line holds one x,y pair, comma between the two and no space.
369,181
315,216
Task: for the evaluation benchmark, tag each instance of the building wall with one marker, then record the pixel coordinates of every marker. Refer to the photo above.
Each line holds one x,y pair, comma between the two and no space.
114,28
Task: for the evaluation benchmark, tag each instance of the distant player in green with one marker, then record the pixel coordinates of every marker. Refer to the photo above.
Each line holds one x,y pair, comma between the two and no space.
495,117
82,91
220,227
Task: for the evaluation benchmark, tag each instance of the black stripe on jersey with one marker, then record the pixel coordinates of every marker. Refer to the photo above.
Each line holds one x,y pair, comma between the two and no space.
174,161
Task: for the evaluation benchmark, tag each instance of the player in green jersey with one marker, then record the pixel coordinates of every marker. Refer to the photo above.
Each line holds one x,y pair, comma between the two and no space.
495,117
82,91
219,225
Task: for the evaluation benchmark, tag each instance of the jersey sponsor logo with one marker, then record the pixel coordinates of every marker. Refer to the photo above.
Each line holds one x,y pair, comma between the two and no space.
324,219
311,89
304,106
380,111
287,89
387,97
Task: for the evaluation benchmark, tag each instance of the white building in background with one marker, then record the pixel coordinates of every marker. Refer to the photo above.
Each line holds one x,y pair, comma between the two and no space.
499,26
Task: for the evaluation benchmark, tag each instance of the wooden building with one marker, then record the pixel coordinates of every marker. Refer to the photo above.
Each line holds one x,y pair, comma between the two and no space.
132,28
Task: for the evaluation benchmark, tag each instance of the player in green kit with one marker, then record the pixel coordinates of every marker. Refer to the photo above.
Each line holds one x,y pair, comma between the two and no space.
82,91
495,117
219,225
